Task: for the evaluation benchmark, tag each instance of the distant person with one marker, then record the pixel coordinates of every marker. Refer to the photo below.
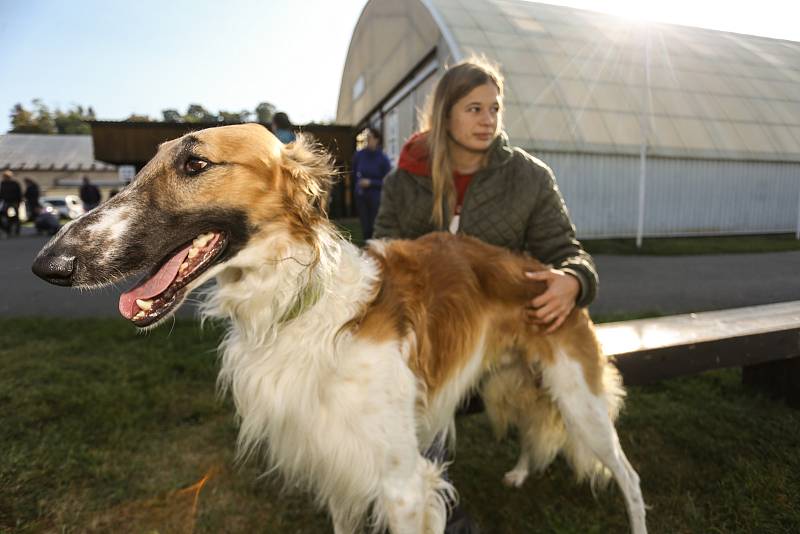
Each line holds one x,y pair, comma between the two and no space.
90,195
282,128
46,222
10,198
370,165
31,197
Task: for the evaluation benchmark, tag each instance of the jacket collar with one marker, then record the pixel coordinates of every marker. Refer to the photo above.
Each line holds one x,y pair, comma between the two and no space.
415,158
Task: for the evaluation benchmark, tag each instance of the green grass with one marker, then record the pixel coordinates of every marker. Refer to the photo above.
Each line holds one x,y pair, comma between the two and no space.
677,246
673,246
102,426
351,228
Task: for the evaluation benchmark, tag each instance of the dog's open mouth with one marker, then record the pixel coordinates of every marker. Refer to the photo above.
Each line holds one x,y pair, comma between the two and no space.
163,289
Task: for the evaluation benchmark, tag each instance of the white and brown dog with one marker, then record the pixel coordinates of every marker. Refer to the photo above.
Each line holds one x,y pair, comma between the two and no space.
345,364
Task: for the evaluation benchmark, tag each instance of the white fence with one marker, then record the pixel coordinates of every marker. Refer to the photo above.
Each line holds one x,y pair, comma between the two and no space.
682,197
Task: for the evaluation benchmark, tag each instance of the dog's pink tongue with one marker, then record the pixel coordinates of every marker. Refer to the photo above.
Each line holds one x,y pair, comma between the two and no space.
152,286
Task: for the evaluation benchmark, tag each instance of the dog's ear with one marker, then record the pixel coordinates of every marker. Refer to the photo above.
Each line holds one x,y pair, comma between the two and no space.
311,171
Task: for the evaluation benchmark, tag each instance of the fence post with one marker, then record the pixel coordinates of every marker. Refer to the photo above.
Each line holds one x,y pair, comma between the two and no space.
797,235
645,133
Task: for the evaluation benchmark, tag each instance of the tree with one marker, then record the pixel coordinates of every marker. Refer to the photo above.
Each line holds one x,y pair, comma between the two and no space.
234,116
171,115
264,112
22,120
74,120
39,120
139,118
44,118
197,113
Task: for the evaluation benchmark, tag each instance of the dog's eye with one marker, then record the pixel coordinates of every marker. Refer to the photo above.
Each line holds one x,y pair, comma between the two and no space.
194,165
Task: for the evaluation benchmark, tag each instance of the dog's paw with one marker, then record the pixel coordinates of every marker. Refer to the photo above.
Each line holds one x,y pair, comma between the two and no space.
515,478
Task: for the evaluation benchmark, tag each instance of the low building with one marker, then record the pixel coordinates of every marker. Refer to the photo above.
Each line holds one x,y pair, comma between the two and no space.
57,163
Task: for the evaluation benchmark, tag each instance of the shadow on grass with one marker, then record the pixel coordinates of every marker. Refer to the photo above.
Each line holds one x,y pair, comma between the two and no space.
680,246
102,428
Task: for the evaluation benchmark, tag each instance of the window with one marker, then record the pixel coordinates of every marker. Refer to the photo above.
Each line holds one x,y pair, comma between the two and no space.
391,133
358,87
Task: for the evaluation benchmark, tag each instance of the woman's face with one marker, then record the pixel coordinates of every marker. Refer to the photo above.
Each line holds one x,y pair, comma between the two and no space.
372,141
475,118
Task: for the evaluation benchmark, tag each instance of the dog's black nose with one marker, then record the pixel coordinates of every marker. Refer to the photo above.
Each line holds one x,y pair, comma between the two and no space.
55,268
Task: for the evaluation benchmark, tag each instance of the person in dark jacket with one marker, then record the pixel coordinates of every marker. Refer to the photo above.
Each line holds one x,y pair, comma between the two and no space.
31,197
45,221
459,173
370,165
10,198
282,128
90,195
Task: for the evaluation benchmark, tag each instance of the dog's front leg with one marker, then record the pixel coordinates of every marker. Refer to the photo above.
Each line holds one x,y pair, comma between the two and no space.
340,526
413,498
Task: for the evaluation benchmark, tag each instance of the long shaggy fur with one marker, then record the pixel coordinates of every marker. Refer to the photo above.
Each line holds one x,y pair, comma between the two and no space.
343,364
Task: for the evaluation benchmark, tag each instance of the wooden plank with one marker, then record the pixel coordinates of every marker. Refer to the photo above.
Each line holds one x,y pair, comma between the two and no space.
648,366
679,330
649,350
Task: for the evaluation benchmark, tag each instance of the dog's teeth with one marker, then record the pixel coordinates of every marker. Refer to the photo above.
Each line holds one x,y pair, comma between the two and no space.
139,315
193,252
183,267
202,240
145,305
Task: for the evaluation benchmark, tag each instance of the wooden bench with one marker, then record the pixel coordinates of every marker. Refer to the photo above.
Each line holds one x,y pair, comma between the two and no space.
763,340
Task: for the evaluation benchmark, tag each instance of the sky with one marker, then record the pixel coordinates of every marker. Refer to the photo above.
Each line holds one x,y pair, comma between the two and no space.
123,57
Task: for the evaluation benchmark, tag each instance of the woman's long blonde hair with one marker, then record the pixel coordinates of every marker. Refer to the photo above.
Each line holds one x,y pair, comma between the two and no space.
456,83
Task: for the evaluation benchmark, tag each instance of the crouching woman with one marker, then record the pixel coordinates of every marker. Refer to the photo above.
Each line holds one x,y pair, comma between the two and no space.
460,174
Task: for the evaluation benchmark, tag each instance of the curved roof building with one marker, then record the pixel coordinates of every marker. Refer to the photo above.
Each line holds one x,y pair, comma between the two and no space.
600,99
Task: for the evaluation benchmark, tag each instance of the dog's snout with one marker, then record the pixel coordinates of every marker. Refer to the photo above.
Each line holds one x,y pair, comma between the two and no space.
55,268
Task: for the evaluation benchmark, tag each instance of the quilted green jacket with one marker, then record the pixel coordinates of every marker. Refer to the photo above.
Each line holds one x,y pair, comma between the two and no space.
513,202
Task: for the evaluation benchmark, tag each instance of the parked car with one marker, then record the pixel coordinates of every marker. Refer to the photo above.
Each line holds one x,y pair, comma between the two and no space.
67,206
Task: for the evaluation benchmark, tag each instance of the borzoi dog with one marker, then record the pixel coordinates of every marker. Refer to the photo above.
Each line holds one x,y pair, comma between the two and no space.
345,364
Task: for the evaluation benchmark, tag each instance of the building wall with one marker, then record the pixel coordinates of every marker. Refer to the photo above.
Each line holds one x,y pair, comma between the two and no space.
682,197
685,195
389,39
402,120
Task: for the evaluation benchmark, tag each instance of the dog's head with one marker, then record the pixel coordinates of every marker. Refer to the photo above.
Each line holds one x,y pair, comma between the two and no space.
187,213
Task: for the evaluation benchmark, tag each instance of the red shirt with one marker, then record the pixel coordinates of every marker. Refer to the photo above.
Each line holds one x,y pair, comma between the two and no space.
414,158
461,183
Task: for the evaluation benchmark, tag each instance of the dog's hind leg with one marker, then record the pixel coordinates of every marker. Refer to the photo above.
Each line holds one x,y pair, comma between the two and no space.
517,476
514,398
588,420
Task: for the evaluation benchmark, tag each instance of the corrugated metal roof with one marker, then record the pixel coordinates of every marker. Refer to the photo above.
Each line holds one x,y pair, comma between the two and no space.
578,81
589,82
49,152
389,40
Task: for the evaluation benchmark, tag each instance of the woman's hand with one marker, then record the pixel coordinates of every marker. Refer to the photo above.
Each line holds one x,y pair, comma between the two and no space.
364,183
553,306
